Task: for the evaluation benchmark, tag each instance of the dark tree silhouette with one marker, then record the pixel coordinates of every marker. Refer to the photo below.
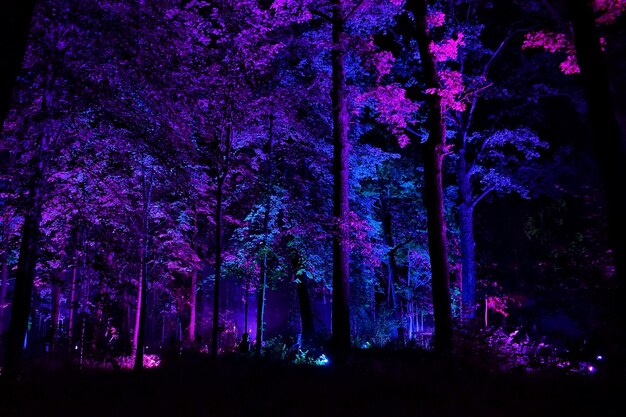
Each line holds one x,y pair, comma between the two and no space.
609,143
434,150
15,17
341,206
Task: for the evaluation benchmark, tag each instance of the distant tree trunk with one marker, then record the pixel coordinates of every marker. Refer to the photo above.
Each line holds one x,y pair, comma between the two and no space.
72,304
610,144
140,319
341,186
54,315
246,305
392,267
193,298
266,220
466,231
15,18
306,313
139,313
304,299
221,178
263,283
218,270
25,274
3,287
433,186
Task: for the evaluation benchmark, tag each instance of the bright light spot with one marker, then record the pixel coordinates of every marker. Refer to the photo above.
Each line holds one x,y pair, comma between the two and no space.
599,357
322,360
591,368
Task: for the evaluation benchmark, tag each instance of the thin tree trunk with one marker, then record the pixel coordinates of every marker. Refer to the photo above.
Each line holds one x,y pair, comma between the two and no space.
138,304
433,186
341,205
306,313
262,285
72,306
221,178
392,267
246,306
25,276
140,319
466,229
54,316
260,324
218,270
193,297
3,288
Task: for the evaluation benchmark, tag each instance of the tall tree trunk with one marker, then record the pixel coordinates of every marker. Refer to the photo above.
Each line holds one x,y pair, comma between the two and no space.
193,298
341,186
306,313
392,267
260,324
140,317
304,300
466,229
54,316
218,268
72,306
139,304
262,284
140,320
25,275
15,18
433,186
610,146
4,270
246,305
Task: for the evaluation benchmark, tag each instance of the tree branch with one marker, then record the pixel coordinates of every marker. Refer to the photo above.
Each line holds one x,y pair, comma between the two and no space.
360,2
402,244
321,14
484,193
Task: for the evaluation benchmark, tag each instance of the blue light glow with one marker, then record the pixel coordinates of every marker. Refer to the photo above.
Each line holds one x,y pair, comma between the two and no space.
322,360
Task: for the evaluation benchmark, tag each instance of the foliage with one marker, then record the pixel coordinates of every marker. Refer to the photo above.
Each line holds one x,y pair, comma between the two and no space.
506,350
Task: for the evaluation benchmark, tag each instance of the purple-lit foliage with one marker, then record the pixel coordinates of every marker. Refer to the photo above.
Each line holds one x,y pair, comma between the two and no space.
174,173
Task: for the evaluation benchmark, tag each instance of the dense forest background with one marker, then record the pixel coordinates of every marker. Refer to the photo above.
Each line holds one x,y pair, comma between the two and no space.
181,172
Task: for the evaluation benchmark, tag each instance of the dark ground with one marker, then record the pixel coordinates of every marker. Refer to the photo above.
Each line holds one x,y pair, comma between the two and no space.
371,384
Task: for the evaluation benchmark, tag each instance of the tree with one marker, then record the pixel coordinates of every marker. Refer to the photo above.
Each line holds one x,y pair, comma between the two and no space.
341,205
434,152
15,17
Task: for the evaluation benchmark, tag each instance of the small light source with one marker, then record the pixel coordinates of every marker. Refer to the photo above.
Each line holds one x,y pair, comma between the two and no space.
591,368
599,357
322,360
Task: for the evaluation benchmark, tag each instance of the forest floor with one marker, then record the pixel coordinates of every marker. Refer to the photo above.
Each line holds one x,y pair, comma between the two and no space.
370,384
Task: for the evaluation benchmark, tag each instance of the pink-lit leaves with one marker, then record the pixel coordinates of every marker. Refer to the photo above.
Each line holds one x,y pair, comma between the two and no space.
607,11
